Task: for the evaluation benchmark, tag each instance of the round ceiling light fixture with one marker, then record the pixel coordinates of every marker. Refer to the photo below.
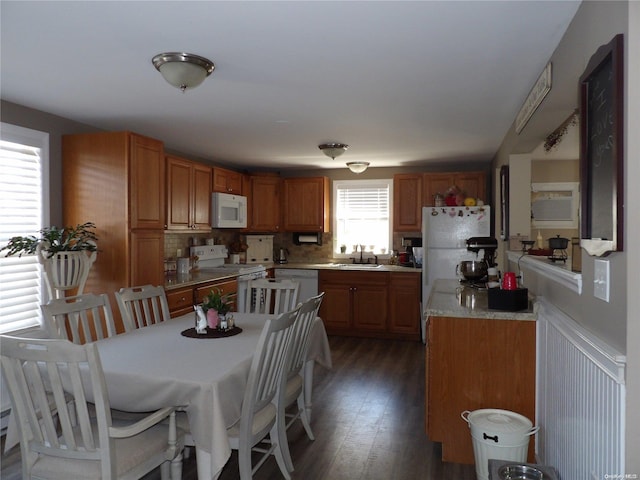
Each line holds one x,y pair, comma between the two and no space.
357,167
183,70
333,150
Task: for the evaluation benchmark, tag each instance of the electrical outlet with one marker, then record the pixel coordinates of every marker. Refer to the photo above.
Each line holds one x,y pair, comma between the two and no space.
521,278
601,280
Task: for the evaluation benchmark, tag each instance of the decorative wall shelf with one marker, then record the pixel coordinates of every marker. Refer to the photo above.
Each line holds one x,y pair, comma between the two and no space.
557,272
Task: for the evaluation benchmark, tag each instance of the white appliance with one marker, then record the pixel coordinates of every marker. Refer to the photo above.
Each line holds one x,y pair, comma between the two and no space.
228,211
307,278
444,234
211,259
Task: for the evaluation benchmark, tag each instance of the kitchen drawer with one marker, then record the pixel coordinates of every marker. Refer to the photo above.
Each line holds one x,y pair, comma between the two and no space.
226,287
354,277
180,301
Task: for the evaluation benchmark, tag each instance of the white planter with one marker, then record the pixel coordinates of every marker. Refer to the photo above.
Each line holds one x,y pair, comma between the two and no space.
66,271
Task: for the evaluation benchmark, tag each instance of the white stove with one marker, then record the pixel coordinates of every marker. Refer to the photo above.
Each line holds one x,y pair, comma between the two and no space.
211,259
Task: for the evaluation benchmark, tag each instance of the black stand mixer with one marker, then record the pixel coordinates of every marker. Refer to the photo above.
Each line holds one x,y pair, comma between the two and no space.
488,245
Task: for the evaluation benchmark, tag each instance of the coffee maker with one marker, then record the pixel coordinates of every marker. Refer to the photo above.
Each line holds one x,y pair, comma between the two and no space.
487,245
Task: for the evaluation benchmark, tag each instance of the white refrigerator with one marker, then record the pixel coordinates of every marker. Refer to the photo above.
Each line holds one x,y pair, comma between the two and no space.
444,234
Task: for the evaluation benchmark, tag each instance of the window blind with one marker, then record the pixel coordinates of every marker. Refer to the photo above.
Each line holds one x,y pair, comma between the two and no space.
363,214
21,205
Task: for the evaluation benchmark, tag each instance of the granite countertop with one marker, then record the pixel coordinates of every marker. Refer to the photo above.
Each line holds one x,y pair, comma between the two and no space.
346,266
451,299
195,277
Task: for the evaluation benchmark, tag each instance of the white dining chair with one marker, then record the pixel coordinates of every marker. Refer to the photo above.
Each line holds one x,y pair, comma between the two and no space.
292,387
80,319
40,376
258,420
142,306
271,296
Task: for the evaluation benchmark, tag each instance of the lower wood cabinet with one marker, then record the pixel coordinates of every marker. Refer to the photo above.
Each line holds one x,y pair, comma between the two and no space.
182,300
476,363
361,304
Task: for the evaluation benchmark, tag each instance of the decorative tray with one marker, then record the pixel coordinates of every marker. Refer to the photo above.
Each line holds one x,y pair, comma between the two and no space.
211,333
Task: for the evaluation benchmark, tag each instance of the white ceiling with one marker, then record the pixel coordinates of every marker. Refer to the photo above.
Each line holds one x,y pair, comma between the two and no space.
403,83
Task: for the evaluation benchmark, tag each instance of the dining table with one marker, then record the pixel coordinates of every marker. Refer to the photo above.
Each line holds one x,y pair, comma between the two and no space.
157,366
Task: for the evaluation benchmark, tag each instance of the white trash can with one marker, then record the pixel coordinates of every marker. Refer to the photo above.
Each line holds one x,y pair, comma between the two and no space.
498,434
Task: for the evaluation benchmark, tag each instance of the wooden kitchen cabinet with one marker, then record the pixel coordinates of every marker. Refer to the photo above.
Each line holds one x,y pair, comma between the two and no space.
117,181
355,303
407,202
188,195
404,304
265,204
227,181
180,301
475,363
473,184
306,204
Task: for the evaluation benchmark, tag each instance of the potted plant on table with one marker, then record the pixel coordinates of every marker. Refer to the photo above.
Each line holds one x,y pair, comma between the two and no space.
66,255
216,306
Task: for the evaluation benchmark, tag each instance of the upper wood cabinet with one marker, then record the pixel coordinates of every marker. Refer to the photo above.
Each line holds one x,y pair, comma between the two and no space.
227,181
306,204
117,181
473,184
264,204
407,202
188,195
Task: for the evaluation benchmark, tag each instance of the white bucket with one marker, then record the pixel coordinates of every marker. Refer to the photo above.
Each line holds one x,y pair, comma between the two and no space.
498,434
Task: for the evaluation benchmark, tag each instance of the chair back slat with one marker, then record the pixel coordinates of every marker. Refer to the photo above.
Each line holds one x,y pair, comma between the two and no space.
80,319
142,306
267,366
271,296
301,333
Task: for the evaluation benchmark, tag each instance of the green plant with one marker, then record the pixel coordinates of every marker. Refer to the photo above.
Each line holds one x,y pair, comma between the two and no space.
54,240
217,301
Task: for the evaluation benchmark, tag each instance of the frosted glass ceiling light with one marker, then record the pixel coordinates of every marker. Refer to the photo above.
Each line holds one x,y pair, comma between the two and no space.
333,150
183,70
357,167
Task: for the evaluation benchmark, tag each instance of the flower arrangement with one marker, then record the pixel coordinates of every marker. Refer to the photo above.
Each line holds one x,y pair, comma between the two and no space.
216,301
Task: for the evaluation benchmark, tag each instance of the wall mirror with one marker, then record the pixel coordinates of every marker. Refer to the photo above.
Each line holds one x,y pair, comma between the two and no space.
601,150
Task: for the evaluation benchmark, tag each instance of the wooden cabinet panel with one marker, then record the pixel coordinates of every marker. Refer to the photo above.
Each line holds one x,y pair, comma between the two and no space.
475,363
473,184
407,202
404,304
147,186
436,183
147,255
178,194
306,204
202,178
335,309
227,181
188,195
180,301
370,304
264,214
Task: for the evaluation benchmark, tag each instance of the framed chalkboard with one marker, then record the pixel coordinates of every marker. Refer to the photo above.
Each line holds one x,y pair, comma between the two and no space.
601,150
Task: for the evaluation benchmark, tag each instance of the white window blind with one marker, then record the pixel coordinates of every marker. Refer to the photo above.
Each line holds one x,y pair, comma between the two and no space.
362,215
23,171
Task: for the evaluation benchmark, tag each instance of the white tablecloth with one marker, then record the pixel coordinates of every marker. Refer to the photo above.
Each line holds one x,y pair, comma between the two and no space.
155,367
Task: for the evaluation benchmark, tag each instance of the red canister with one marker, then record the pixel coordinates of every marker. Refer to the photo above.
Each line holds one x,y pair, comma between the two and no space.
509,281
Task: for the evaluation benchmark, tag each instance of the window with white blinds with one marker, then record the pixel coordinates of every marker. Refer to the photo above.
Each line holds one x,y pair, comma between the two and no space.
23,203
362,215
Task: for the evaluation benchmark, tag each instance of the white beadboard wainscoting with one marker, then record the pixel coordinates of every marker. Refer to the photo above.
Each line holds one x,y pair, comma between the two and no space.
580,399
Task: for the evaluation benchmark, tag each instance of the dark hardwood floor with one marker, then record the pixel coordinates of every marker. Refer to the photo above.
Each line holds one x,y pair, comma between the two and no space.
368,420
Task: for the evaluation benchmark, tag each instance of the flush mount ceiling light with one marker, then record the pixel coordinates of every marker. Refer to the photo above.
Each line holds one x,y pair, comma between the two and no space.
183,70
357,167
333,150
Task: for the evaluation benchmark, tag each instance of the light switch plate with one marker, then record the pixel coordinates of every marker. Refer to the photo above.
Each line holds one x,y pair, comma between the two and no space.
601,280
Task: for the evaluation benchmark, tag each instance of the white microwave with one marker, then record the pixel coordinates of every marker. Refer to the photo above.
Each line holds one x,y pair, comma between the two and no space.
228,211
